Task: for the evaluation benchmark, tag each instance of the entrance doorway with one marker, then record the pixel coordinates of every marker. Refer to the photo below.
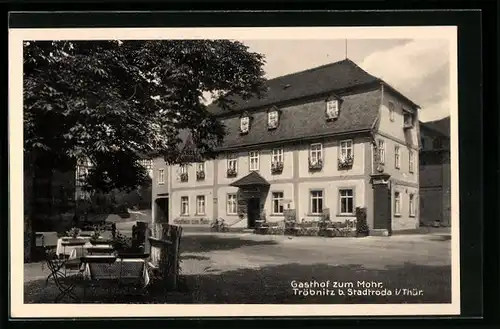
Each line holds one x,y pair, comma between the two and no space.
161,212
253,211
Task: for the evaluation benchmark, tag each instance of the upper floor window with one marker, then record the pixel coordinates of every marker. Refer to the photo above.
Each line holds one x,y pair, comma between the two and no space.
411,161
200,170
200,167
408,119
232,165
316,152
397,157
254,160
272,118
277,156
332,109
346,150
381,151
244,124
183,173
161,176
391,111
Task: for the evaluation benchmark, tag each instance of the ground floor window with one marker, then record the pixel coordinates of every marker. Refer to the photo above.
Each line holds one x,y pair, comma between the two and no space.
412,205
200,205
231,204
346,201
397,203
184,205
316,202
277,203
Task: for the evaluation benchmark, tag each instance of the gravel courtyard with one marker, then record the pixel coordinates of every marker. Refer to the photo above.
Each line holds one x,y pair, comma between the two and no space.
248,268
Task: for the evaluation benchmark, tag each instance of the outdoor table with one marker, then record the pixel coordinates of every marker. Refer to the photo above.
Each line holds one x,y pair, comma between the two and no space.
65,246
99,249
112,269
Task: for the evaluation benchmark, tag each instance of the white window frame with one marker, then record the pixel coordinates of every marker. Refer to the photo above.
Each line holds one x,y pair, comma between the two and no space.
408,114
200,205
255,165
332,108
277,198
381,151
411,161
232,160
200,167
277,155
341,197
346,149
397,157
161,176
231,201
313,197
317,152
391,111
411,204
184,201
183,169
273,114
397,203
247,120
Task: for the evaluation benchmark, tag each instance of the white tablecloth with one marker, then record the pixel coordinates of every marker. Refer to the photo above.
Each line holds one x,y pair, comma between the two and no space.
68,250
121,268
76,251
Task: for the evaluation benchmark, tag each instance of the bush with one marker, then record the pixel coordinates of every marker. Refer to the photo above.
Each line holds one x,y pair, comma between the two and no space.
361,223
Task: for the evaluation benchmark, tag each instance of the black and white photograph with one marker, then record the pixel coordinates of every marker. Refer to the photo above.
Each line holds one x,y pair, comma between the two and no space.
280,168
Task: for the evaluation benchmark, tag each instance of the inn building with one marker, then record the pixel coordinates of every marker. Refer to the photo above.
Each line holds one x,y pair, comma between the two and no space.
327,139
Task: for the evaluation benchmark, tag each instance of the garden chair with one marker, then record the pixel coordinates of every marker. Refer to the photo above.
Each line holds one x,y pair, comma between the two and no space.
65,283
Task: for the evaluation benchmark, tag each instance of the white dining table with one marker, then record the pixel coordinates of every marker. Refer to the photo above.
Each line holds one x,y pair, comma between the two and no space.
75,251
61,249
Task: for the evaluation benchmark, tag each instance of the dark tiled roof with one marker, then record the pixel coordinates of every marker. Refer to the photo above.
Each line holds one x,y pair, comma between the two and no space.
442,126
251,179
358,112
323,79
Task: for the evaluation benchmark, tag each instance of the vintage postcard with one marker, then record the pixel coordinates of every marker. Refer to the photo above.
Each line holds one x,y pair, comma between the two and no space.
234,172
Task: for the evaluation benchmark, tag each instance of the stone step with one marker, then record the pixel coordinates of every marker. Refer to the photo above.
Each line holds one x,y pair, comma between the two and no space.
379,232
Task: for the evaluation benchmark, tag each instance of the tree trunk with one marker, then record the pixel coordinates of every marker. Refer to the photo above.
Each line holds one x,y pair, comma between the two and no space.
39,200
41,209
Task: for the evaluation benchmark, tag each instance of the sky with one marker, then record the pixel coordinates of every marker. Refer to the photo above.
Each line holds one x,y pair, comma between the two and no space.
418,68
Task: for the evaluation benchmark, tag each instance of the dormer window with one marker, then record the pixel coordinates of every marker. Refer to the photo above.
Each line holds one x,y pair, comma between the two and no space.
272,119
332,109
244,124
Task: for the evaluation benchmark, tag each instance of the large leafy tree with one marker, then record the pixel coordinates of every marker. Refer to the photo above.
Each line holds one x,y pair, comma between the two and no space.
115,101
